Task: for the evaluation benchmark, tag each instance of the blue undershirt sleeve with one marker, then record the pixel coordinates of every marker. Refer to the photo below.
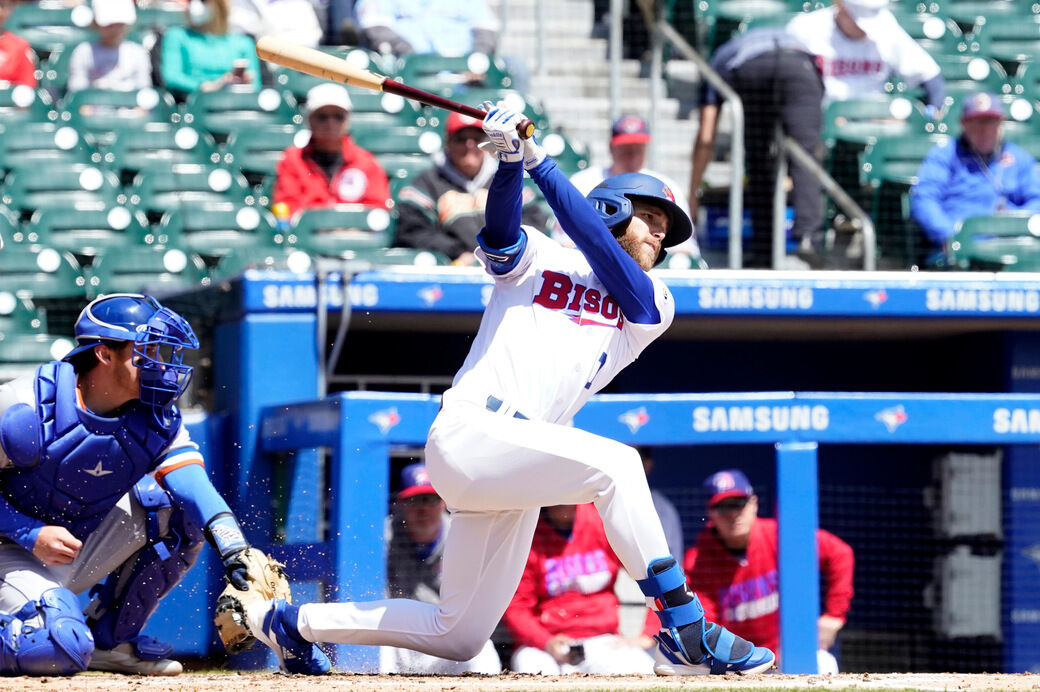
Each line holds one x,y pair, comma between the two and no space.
20,528
625,280
193,491
501,238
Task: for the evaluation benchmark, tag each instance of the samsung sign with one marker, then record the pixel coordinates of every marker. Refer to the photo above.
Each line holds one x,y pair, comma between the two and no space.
760,418
965,300
755,298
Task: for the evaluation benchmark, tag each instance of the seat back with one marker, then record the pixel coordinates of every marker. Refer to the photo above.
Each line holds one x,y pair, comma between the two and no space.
156,192
158,146
258,150
43,144
1005,242
233,109
104,113
218,229
51,28
88,229
333,230
146,268
35,187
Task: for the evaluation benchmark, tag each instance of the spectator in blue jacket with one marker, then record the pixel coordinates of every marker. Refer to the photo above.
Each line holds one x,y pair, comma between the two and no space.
978,174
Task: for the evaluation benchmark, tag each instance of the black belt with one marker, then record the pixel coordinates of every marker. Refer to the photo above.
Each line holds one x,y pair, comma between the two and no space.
494,404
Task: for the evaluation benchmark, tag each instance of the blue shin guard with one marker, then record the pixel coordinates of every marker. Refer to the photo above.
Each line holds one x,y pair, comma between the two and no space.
60,645
691,645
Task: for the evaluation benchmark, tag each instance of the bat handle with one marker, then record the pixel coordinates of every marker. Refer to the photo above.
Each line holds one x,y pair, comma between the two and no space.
525,129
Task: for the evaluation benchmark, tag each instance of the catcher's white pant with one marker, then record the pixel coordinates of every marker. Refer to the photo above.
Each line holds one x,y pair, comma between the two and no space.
395,660
607,654
121,534
495,472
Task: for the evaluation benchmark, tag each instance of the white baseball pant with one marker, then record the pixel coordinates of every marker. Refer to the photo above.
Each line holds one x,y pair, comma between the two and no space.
607,654
495,472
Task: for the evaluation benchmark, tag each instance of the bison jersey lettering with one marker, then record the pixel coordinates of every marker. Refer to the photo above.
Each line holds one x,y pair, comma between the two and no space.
583,339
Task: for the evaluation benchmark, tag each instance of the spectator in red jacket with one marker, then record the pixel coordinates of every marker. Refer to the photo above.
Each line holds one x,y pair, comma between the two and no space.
17,61
564,616
734,571
331,169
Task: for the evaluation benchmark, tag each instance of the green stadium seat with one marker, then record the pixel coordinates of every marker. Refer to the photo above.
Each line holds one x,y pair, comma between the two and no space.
160,17
159,191
398,140
332,231
40,273
104,113
53,74
971,14
218,229
1006,242
396,256
569,158
446,74
864,121
49,29
24,104
724,18
1026,82
968,74
299,83
36,187
42,143
158,146
1013,40
257,151
152,269
88,229
403,165
512,99
24,341
232,109
937,34
271,257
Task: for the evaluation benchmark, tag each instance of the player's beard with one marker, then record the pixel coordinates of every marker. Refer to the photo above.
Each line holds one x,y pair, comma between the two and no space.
638,251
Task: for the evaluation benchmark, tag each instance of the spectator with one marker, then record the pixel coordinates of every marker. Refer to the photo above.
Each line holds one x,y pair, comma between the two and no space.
564,616
778,82
447,27
733,567
17,61
205,55
977,174
443,208
415,533
629,139
859,44
667,512
293,20
111,62
332,168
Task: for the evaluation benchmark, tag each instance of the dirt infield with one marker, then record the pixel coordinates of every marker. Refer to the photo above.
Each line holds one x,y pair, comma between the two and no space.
271,682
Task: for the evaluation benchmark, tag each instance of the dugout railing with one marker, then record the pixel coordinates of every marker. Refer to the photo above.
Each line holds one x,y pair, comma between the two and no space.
360,430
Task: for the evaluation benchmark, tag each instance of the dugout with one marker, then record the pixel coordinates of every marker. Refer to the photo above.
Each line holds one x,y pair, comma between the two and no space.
736,332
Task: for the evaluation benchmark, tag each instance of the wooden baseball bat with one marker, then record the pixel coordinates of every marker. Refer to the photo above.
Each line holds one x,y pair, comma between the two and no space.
315,62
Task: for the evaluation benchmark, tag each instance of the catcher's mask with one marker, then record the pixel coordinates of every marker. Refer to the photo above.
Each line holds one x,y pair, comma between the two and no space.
159,336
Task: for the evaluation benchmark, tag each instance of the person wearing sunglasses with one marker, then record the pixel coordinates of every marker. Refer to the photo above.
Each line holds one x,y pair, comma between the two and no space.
331,168
733,568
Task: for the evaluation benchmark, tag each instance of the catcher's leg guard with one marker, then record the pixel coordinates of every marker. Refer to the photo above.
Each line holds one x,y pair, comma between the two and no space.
60,645
691,645
127,598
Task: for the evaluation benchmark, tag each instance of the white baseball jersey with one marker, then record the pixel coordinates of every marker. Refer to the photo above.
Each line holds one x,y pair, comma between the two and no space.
551,335
859,68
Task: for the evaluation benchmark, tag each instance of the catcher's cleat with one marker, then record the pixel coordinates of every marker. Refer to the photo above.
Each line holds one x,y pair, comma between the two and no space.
715,652
140,656
274,624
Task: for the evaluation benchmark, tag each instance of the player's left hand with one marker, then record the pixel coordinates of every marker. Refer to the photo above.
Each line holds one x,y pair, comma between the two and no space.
500,126
236,571
827,627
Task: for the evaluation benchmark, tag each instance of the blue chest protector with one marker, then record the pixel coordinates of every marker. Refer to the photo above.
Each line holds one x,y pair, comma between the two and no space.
87,462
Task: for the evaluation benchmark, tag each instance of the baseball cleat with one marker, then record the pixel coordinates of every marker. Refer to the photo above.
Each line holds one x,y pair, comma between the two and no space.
141,656
269,623
719,652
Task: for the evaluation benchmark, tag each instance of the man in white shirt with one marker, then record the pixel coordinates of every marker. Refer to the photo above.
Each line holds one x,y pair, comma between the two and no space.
111,62
858,44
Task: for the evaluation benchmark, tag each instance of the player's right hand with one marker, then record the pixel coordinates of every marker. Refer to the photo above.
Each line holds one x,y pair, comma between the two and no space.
559,647
56,546
500,126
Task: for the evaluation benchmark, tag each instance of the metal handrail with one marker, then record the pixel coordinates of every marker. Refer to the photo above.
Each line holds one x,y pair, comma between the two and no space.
664,30
840,197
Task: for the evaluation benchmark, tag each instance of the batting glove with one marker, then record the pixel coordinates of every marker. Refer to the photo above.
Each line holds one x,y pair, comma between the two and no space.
533,153
500,126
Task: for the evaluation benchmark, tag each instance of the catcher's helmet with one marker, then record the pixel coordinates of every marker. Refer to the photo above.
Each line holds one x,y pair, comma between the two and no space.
613,200
159,336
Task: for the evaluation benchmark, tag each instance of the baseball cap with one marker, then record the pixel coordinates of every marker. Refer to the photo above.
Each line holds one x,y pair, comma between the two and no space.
324,95
982,105
725,484
415,481
108,12
458,121
629,129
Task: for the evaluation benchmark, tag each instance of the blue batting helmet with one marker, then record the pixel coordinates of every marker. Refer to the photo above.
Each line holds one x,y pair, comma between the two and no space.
613,200
159,336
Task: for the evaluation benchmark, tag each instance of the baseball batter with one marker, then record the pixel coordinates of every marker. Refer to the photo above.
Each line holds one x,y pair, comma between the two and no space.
559,325
99,478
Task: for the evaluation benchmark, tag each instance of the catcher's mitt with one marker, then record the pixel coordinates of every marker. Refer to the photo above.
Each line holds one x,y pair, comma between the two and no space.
267,581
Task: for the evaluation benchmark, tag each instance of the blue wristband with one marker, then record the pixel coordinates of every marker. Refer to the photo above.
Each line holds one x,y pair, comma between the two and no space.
225,535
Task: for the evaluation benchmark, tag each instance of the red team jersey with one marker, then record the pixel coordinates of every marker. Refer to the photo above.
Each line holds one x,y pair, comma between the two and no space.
16,60
568,585
743,595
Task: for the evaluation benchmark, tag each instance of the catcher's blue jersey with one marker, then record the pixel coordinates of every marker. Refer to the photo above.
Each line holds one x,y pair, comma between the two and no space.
87,462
